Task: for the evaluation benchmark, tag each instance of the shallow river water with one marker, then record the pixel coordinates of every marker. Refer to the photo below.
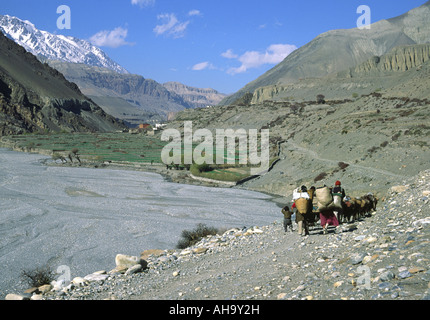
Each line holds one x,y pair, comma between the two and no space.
82,217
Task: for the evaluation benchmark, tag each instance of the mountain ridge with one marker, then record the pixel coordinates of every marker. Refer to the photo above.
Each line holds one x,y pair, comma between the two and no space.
48,46
338,50
124,95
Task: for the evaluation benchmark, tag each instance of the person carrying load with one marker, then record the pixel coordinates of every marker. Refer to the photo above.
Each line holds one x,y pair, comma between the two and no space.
338,194
303,203
326,205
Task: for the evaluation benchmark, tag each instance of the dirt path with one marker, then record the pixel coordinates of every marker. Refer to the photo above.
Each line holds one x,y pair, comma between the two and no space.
314,155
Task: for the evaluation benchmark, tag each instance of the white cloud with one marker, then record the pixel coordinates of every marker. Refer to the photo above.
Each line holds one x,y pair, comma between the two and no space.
229,54
172,26
194,13
142,3
202,66
254,59
113,39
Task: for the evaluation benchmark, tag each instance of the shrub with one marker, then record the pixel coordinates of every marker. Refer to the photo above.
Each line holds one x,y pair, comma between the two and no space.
384,144
321,176
343,165
396,136
201,167
320,99
38,277
192,237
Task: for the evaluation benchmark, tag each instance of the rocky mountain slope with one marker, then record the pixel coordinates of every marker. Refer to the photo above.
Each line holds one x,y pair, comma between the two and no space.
196,97
36,98
338,50
48,46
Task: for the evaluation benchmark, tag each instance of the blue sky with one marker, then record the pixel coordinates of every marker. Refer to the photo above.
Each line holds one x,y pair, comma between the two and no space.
221,44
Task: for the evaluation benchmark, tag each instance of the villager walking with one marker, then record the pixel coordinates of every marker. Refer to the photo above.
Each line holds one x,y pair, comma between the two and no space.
327,217
338,195
326,206
288,224
302,202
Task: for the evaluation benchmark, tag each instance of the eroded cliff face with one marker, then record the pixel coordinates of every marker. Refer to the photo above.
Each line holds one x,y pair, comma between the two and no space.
196,97
399,59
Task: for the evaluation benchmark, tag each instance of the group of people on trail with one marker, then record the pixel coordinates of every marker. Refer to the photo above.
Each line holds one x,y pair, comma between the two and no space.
303,208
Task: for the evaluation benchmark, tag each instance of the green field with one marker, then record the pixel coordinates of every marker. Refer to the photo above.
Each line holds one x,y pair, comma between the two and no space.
118,147
114,147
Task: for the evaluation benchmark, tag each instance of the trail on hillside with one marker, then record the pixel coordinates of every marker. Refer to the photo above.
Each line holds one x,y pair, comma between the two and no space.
316,156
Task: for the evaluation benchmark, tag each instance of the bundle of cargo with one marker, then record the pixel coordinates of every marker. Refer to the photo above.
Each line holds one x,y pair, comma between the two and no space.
337,200
301,199
302,205
324,198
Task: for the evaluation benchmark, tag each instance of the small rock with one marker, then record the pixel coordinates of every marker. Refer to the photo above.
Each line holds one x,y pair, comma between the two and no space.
31,290
13,296
78,281
337,284
282,296
399,189
360,238
45,288
152,252
175,273
386,276
368,259
96,277
357,258
200,250
384,286
300,288
370,240
134,269
416,270
386,239
119,269
100,272
404,274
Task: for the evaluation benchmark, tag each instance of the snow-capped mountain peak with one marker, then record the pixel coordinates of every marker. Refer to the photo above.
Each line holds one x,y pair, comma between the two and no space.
55,47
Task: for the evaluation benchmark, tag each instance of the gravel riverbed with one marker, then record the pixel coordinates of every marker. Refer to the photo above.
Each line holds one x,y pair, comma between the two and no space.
384,256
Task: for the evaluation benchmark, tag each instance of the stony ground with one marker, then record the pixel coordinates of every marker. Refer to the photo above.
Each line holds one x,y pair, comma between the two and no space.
384,256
